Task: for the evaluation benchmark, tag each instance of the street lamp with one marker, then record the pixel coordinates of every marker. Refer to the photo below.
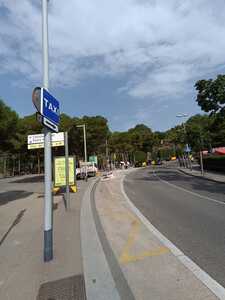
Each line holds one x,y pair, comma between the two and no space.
85,148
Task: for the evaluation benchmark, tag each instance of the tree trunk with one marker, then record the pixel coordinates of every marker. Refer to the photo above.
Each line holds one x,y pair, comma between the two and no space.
19,165
5,166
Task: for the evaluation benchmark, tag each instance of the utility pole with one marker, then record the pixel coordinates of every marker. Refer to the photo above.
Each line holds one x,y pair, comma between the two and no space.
201,157
107,155
85,149
85,152
67,171
201,163
48,233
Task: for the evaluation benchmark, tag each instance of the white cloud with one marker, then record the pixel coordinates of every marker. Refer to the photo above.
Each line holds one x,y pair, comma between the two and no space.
159,46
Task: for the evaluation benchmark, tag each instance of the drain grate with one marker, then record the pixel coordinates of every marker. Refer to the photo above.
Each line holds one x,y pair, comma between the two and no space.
71,288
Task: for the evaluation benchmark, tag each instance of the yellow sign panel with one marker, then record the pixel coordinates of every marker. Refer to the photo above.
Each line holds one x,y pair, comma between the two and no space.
60,171
41,145
35,146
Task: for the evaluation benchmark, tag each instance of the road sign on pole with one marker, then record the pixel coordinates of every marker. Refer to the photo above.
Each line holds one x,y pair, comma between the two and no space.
48,108
50,124
36,141
36,98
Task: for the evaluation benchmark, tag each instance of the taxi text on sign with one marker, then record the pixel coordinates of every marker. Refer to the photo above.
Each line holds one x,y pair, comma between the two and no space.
49,107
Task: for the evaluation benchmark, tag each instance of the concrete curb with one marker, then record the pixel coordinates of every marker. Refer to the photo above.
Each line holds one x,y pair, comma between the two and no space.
98,278
209,282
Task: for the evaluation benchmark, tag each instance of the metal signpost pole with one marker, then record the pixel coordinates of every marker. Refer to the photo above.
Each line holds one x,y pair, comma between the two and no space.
85,152
201,163
48,234
67,171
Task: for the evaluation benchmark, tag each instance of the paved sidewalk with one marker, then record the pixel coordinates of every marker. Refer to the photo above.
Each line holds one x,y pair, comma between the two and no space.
150,268
24,275
214,176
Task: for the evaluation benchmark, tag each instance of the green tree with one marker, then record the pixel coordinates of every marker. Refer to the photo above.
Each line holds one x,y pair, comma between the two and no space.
66,122
8,127
198,130
217,131
141,138
158,138
211,95
97,132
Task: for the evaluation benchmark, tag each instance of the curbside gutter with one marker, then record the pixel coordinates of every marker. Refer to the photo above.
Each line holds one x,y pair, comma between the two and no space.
99,281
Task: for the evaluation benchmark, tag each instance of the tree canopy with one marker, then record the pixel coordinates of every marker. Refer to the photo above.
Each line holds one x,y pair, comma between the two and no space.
8,127
211,95
200,131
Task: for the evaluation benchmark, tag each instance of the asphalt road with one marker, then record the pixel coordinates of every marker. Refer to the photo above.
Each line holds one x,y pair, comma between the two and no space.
189,211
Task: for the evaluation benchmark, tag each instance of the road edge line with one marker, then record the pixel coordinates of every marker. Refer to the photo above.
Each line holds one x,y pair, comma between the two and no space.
217,289
99,282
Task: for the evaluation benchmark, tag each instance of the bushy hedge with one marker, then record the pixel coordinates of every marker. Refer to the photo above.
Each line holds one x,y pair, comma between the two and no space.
214,163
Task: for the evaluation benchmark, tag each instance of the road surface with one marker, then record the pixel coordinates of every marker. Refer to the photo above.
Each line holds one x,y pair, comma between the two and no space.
189,211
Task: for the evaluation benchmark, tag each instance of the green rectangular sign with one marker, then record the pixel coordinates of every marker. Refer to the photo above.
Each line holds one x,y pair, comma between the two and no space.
93,159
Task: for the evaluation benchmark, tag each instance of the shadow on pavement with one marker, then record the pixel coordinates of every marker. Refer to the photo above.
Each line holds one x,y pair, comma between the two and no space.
10,196
14,223
33,179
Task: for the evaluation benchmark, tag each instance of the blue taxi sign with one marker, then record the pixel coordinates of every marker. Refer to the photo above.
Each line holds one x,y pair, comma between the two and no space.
49,107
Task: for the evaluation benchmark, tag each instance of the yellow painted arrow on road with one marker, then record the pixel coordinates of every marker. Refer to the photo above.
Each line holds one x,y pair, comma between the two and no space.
127,257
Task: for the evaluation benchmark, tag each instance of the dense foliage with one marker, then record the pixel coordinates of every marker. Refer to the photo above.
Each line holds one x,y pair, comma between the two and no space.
138,143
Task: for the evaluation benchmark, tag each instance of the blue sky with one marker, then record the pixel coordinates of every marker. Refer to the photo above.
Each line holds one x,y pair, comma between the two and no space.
130,61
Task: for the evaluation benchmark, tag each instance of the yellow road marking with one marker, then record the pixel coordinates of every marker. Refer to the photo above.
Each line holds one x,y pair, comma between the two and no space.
124,216
126,257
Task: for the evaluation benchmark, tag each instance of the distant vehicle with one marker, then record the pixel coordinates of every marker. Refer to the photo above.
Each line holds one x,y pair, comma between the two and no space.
138,164
81,169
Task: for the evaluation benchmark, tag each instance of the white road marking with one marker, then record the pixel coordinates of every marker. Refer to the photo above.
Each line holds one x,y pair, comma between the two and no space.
204,277
187,191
